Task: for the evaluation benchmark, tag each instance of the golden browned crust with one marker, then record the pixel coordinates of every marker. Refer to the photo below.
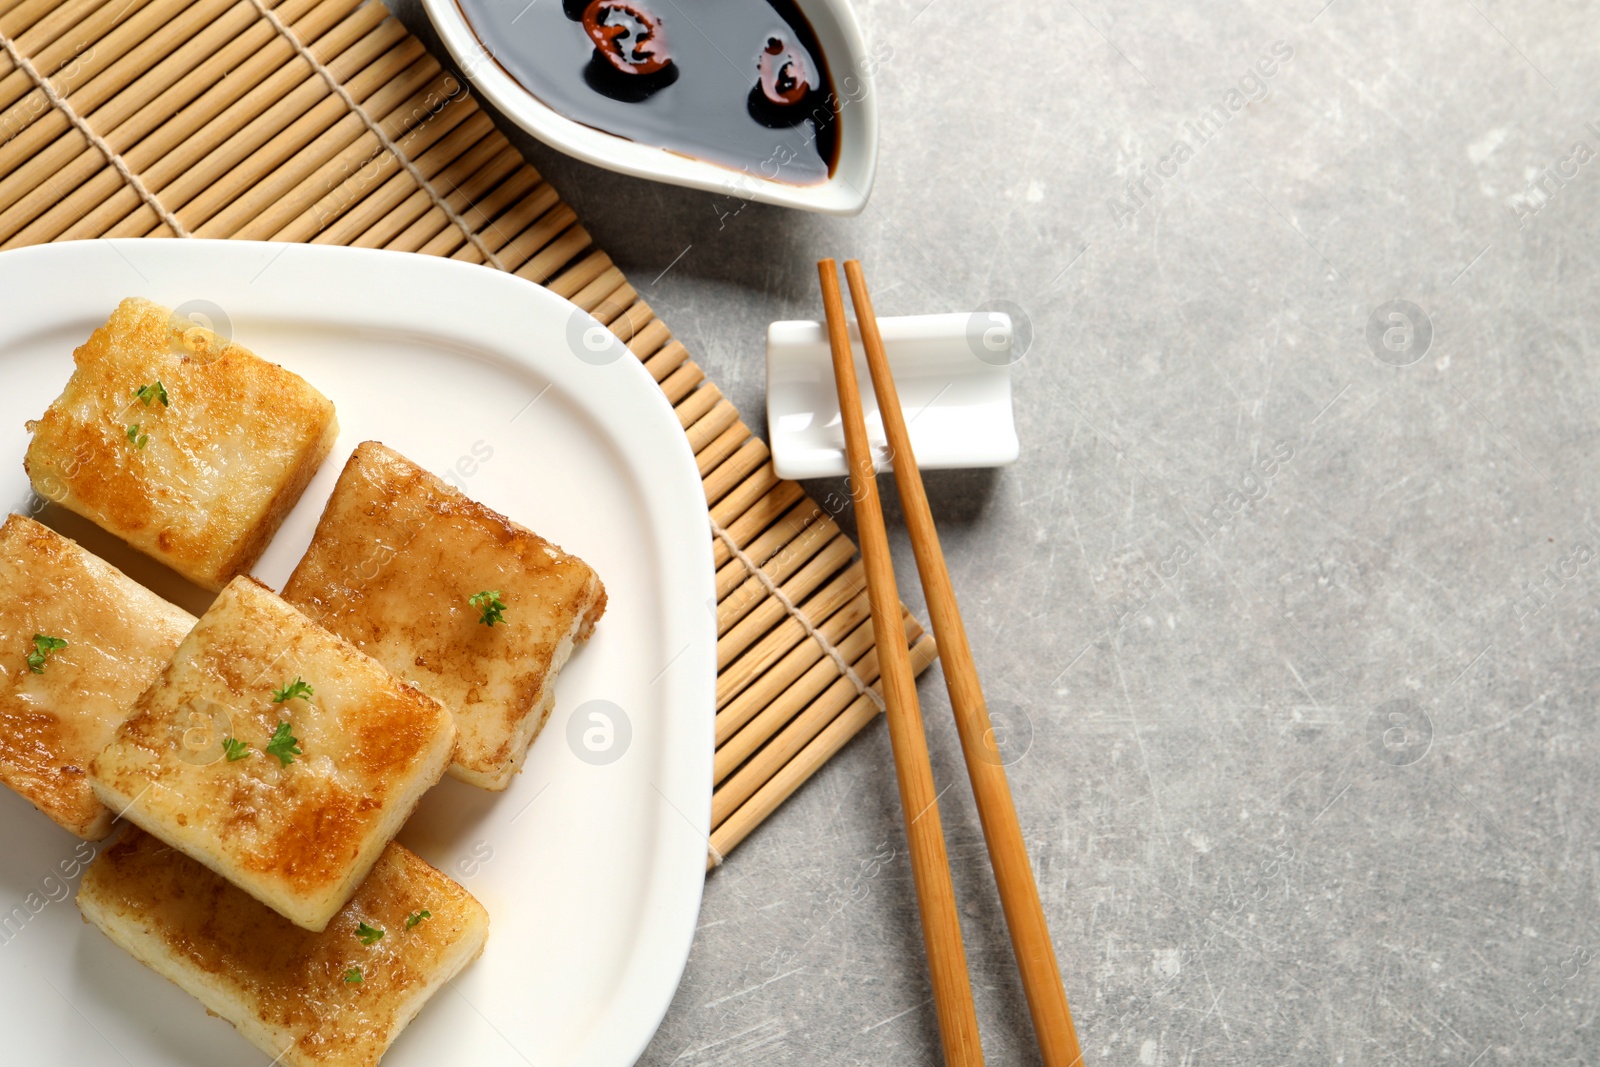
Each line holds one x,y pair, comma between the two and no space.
225,460
284,987
283,502
119,636
297,837
397,554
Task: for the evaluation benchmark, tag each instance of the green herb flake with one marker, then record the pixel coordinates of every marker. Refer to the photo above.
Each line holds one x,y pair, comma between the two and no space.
295,690
235,749
284,745
490,604
139,440
43,645
149,394
352,976
369,935
417,916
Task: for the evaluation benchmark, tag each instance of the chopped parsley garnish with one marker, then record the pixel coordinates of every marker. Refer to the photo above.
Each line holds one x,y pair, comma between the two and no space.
417,916
352,976
490,604
235,749
43,645
293,691
284,745
151,393
369,934
138,439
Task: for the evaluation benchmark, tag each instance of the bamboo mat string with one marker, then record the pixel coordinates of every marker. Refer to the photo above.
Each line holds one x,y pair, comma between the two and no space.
777,593
377,131
113,157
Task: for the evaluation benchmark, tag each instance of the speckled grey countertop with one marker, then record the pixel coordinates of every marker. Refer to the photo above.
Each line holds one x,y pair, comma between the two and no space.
1293,628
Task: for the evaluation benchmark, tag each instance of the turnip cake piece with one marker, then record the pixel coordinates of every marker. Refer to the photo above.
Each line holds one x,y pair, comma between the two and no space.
480,612
276,754
185,445
79,641
337,998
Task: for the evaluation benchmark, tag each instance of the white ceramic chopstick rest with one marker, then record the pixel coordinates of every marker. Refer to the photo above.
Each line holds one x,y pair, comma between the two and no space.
957,405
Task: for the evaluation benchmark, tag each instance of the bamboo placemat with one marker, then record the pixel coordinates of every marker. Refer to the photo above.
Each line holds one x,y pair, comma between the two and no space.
326,121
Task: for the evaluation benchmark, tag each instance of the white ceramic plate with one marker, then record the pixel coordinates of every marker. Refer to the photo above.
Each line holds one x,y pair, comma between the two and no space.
591,871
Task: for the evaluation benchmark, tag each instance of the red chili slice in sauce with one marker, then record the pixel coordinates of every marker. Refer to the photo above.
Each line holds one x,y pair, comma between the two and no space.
627,34
785,79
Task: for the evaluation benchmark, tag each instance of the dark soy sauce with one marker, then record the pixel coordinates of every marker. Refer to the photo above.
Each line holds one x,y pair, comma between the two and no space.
740,83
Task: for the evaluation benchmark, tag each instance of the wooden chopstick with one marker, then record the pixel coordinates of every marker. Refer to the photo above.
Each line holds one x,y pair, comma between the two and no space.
1013,873
930,866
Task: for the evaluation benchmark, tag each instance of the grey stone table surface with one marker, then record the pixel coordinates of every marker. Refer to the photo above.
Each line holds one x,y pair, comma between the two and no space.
1289,605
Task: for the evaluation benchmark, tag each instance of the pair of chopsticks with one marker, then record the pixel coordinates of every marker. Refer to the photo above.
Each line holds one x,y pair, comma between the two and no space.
930,867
